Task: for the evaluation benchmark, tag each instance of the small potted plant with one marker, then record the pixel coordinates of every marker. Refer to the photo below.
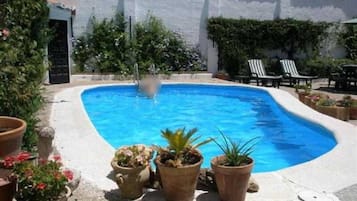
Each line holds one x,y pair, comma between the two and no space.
349,102
131,165
7,182
179,164
43,181
329,107
232,170
312,99
302,91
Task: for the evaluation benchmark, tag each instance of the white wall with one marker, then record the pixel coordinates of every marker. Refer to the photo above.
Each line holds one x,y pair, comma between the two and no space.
189,17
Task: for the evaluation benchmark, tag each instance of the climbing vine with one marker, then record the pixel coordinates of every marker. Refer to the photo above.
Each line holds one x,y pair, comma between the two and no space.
240,39
22,44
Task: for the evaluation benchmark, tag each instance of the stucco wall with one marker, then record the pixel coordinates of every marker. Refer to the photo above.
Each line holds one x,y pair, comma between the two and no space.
189,17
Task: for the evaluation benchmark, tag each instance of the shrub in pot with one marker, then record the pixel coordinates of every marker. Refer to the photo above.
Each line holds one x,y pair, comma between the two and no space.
329,107
131,165
232,170
179,164
313,98
349,102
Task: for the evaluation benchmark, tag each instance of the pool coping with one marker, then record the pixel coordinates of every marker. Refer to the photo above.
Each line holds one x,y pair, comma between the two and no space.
326,174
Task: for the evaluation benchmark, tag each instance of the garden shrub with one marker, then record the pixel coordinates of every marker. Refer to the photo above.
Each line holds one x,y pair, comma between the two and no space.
323,66
22,61
348,39
108,49
155,44
240,39
105,48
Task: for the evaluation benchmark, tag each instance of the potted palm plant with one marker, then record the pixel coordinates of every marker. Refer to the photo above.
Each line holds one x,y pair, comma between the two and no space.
179,164
131,165
232,169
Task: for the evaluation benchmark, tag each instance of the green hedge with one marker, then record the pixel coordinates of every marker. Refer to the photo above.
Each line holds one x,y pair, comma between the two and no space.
240,39
107,49
22,61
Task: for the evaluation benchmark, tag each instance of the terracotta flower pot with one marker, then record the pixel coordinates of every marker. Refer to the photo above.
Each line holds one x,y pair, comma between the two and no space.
131,181
7,190
11,133
302,96
232,181
179,184
342,113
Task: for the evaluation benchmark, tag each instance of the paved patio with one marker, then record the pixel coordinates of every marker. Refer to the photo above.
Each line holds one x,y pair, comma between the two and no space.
281,185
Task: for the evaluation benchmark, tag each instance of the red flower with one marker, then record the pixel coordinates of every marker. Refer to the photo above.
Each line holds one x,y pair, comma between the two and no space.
23,156
9,162
41,186
57,158
68,174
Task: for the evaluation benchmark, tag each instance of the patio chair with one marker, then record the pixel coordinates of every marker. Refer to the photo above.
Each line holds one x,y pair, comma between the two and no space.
290,72
257,72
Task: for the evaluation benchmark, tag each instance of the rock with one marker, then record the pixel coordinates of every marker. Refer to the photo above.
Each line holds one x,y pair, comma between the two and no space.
253,186
44,145
47,132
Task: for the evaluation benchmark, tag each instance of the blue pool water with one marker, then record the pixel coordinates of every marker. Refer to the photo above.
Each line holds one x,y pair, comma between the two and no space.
124,117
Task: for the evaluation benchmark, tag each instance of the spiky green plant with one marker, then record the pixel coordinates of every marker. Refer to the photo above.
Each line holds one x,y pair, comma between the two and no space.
181,149
236,154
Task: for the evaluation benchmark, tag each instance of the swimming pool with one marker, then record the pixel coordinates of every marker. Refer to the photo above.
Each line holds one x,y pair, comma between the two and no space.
122,116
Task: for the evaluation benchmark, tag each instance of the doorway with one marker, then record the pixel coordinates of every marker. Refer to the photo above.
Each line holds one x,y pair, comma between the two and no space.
58,52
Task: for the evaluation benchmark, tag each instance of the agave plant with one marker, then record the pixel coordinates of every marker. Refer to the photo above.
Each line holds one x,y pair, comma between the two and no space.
181,149
236,154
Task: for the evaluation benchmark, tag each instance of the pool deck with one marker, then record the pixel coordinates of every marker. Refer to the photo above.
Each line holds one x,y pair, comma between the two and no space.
83,149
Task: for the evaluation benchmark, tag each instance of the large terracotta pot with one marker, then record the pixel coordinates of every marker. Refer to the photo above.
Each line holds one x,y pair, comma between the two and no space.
342,113
179,184
131,181
11,133
232,181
